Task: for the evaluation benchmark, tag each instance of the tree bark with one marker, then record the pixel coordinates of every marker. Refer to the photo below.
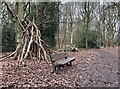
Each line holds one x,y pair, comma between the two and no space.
87,20
103,23
20,12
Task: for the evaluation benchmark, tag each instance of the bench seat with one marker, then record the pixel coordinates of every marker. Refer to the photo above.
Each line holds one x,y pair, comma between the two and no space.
61,59
64,61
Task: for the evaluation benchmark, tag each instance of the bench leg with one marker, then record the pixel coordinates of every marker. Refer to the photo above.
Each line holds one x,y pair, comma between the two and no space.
69,63
56,68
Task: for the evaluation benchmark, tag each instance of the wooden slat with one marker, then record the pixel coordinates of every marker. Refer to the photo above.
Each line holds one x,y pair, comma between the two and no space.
64,61
58,56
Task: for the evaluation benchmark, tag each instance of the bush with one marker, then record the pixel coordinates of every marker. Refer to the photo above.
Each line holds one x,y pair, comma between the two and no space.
92,40
8,37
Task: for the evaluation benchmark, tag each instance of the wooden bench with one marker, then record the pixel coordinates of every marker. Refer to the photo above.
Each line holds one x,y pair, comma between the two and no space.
60,59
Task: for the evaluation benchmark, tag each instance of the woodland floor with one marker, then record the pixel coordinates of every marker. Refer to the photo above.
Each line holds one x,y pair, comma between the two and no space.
92,68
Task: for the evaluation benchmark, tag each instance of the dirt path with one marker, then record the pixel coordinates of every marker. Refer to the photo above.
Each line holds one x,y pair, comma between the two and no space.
103,70
92,68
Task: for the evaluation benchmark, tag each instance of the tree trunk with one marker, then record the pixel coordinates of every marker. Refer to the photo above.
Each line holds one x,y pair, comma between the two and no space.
29,42
103,23
39,14
71,30
58,39
87,17
71,37
20,13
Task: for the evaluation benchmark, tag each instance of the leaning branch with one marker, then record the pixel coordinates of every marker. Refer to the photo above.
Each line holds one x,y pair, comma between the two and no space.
9,9
25,8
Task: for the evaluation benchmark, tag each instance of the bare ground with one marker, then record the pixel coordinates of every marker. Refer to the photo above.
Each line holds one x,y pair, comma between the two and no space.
92,68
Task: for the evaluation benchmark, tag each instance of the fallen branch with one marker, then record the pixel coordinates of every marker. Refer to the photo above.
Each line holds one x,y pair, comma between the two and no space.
31,46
